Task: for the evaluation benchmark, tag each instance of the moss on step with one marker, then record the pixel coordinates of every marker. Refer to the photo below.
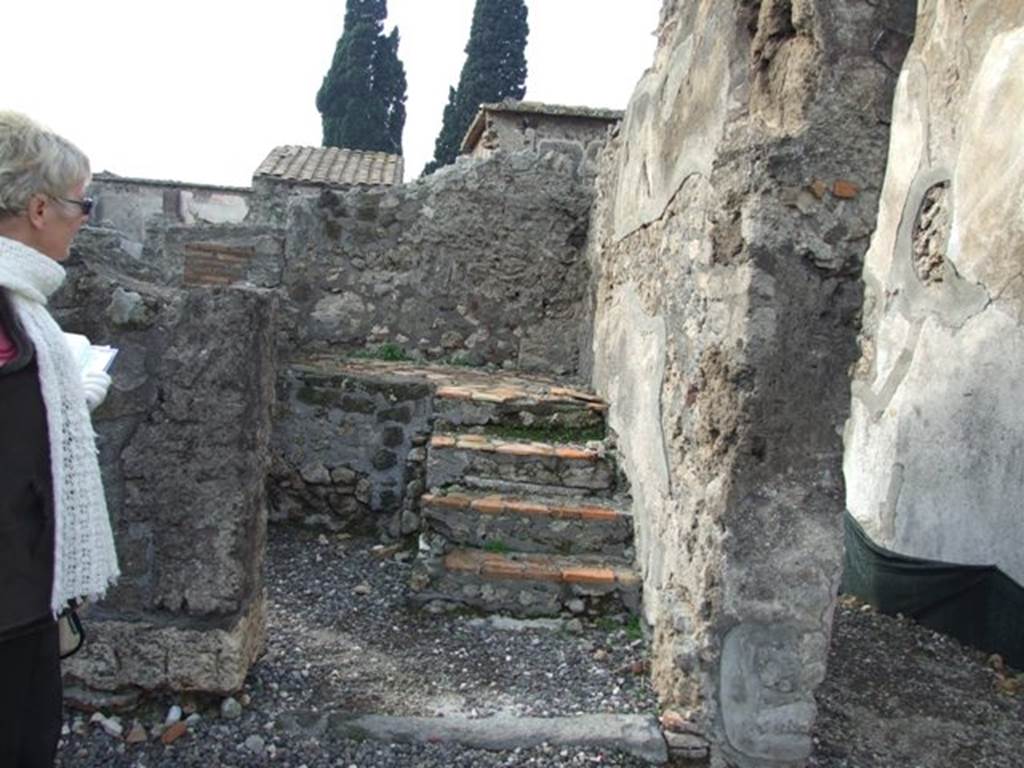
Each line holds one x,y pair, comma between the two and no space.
544,433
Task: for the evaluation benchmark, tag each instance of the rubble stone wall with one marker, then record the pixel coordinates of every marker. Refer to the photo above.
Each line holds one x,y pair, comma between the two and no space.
184,450
481,262
349,450
933,464
732,217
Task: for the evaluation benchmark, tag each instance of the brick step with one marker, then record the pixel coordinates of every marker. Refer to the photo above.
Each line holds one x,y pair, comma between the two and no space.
483,462
534,524
524,584
468,408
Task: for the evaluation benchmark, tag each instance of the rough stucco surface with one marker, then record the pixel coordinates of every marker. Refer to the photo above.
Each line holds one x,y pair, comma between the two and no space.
934,466
732,217
184,449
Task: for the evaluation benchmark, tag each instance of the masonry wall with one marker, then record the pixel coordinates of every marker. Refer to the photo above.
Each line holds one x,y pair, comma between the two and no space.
130,205
184,451
481,262
733,214
349,448
578,139
933,462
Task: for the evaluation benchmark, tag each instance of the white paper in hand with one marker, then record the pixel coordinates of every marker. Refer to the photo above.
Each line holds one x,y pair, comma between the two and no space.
90,357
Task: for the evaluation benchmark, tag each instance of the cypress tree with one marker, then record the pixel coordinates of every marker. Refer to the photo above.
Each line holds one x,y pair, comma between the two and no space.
362,98
495,69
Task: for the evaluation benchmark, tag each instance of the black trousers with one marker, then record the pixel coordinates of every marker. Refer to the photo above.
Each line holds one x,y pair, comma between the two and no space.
30,699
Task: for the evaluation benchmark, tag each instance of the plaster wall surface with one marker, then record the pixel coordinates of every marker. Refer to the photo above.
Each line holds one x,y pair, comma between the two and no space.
733,212
934,461
580,139
130,205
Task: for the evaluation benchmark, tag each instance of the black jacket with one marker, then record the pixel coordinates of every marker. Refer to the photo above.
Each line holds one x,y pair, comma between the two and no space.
26,490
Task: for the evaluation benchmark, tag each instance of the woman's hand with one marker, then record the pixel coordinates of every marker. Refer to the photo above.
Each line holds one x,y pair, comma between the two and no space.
95,384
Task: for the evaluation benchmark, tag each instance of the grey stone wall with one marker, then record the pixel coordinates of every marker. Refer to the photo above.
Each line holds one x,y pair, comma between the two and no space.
349,449
481,262
184,450
933,462
727,243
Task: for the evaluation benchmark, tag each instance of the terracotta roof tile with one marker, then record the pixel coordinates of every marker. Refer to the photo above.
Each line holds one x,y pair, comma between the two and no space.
330,166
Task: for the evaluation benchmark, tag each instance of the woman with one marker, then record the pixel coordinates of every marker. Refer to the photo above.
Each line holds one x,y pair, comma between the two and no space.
55,538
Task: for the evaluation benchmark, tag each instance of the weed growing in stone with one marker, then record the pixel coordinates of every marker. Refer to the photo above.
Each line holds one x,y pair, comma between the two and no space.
633,628
385,351
497,546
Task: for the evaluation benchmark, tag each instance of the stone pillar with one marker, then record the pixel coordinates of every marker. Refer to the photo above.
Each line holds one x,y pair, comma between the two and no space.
734,211
184,450
933,465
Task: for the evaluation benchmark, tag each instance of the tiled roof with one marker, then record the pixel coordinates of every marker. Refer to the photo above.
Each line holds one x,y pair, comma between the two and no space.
534,108
330,166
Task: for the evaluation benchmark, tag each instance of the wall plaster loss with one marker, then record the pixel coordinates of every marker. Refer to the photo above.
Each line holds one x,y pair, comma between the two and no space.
716,301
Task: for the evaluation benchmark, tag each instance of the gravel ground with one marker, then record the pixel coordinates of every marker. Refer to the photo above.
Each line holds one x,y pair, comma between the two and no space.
341,637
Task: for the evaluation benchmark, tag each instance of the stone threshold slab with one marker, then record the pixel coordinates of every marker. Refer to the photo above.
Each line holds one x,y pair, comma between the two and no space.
637,735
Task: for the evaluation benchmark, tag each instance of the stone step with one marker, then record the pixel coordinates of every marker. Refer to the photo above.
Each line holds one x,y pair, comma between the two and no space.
527,584
483,462
535,409
565,526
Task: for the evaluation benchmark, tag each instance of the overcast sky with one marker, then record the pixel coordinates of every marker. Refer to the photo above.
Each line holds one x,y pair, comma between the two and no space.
201,91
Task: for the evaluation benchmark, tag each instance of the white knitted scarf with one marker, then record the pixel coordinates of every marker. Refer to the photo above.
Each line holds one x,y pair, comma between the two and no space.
85,562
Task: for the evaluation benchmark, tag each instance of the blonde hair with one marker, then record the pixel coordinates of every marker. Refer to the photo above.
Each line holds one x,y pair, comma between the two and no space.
34,160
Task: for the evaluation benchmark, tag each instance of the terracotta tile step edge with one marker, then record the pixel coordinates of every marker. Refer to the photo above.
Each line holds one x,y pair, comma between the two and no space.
501,505
473,442
516,396
537,568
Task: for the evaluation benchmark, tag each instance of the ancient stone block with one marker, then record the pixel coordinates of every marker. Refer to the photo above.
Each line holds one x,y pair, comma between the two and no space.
184,451
154,653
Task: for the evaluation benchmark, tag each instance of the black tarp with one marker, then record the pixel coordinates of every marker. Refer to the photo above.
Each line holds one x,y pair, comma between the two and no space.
977,604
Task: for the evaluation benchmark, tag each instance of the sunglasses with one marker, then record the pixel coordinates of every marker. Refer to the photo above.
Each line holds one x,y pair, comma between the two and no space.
86,204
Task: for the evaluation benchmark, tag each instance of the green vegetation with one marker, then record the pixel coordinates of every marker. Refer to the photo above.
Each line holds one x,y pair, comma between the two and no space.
385,351
546,433
495,69
362,98
633,629
497,546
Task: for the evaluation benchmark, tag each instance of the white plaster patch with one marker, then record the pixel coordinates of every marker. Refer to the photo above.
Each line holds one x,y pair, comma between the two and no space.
629,368
939,475
674,120
987,235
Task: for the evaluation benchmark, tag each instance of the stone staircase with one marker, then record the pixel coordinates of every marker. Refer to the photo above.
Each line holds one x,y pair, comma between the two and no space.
526,513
